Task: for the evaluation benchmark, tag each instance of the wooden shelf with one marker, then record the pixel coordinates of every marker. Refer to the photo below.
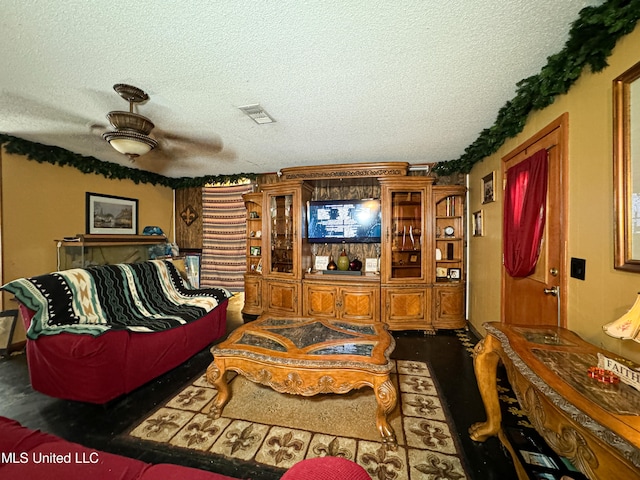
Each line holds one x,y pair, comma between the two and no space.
93,240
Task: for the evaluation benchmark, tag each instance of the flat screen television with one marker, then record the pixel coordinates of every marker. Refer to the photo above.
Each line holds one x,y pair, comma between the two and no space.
349,221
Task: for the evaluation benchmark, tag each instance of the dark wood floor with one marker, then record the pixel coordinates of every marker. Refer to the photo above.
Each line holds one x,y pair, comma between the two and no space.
448,352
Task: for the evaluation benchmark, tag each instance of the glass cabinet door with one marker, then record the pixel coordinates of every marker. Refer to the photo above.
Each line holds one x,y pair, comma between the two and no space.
282,231
407,223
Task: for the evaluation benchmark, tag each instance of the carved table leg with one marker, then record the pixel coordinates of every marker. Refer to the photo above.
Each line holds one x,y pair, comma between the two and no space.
218,379
387,398
485,363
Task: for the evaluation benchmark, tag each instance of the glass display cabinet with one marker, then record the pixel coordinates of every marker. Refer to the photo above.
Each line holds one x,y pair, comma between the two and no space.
286,256
405,272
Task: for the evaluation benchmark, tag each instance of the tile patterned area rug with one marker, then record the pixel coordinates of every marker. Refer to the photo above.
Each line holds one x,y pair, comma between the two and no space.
262,426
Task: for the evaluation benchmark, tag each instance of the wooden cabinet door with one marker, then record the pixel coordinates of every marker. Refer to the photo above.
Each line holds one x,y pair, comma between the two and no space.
359,304
449,307
320,301
252,295
407,308
281,297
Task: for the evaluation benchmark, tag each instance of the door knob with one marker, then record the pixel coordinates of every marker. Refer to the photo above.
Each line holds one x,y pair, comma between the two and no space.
553,291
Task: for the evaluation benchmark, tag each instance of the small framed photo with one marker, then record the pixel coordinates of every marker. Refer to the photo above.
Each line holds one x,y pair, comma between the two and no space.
371,265
488,188
321,262
413,258
441,272
108,214
255,251
454,273
478,223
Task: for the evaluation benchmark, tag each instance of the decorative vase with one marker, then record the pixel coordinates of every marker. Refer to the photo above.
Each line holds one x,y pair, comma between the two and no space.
331,265
343,261
355,265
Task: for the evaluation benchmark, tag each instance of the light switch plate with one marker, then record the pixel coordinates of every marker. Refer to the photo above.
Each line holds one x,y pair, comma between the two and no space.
578,268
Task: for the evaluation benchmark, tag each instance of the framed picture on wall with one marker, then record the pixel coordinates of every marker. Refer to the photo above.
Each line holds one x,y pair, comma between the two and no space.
478,223
488,188
108,214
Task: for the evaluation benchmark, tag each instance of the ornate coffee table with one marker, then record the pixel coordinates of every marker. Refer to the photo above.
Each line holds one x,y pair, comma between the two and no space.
308,356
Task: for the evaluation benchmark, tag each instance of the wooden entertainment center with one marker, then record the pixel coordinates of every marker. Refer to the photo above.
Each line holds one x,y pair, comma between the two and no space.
420,282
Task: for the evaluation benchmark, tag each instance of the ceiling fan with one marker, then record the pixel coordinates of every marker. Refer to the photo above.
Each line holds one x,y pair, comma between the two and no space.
131,134
131,131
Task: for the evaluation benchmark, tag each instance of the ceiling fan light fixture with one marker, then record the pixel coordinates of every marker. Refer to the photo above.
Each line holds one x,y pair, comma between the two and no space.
130,121
130,143
131,134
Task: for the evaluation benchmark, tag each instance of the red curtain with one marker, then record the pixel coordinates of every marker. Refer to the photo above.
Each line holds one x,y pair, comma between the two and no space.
524,214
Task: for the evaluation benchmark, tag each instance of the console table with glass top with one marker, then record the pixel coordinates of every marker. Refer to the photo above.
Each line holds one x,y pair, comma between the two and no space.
308,356
594,424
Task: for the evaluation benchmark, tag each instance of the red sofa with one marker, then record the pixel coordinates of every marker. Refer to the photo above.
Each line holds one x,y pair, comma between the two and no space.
75,352
23,453
99,369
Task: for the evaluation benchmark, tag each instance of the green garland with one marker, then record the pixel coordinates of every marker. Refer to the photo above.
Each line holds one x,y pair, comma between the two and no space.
591,40
59,156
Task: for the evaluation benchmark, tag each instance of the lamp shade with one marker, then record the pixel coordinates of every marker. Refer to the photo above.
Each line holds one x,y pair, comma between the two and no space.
627,327
130,143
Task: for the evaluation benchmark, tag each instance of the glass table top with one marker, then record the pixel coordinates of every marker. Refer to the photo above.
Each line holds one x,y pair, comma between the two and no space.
308,338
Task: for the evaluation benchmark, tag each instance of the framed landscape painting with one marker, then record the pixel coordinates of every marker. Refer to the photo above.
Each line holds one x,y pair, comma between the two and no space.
108,214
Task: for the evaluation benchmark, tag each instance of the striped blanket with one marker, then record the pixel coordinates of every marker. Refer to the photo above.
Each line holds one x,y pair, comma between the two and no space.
141,297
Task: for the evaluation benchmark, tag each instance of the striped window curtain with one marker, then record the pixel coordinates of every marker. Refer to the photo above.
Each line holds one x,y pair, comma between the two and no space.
224,237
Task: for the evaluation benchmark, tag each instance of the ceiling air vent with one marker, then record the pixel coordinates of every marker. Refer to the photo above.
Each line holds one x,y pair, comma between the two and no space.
257,114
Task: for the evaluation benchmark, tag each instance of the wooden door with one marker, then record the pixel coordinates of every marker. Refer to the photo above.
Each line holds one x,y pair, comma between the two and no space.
539,299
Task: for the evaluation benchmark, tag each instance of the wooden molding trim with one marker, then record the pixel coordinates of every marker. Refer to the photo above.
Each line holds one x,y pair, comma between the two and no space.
351,170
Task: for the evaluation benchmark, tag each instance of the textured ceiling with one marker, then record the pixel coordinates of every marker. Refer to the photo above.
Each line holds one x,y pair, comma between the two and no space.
346,81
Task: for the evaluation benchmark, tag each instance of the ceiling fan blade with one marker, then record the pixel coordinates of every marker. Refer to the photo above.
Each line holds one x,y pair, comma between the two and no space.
178,142
18,109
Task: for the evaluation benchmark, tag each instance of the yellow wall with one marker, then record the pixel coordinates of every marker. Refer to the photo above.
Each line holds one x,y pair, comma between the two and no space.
43,202
606,293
